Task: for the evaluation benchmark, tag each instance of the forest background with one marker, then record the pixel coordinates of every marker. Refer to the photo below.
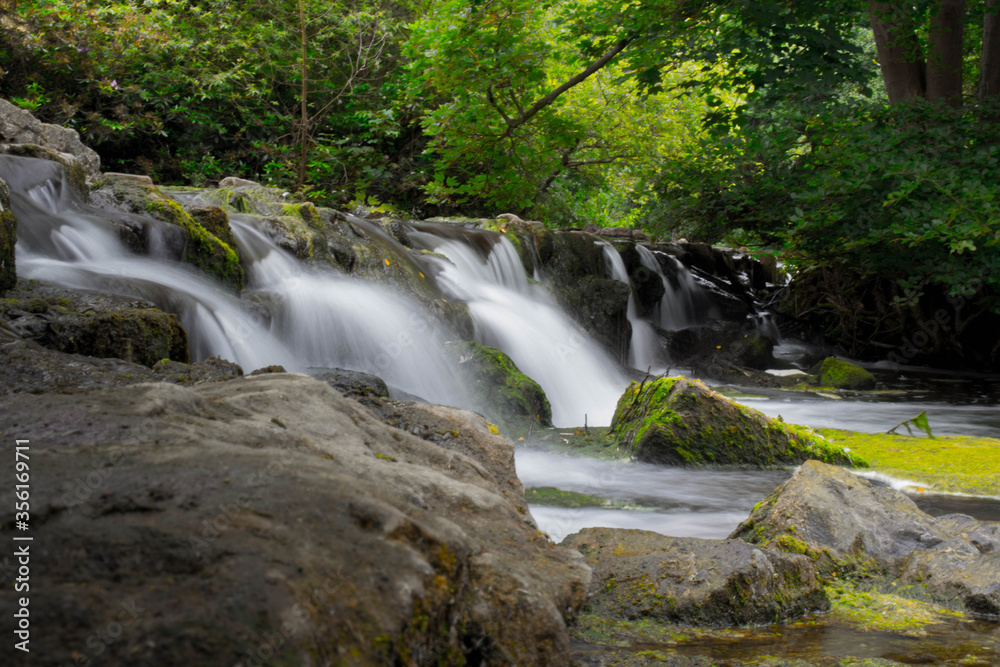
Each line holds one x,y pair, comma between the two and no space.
859,140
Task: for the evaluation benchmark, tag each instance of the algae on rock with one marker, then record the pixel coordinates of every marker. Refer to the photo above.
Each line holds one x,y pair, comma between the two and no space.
842,374
677,421
8,239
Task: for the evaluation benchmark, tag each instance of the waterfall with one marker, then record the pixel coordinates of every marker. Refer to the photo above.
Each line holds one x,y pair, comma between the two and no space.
579,378
644,352
317,318
678,307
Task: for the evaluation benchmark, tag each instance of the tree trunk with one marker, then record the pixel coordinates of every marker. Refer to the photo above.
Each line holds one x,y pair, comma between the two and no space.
899,53
989,68
304,121
944,60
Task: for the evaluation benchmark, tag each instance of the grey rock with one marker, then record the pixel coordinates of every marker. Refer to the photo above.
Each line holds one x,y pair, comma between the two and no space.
641,574
18,126
271,515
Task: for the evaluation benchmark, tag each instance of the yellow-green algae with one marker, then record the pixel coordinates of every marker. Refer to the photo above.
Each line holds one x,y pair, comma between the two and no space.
553,497
884,612
943,464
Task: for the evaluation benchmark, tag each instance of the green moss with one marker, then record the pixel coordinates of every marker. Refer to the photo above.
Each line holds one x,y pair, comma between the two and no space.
553,497
884,612
944,464
834,372
505,392
677,421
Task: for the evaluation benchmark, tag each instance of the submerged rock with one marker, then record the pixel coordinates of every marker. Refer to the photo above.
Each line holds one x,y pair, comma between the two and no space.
677,421
271,516
841,374
641,574
852,525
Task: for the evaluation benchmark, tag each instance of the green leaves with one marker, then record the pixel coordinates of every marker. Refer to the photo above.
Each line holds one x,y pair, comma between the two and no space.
918,422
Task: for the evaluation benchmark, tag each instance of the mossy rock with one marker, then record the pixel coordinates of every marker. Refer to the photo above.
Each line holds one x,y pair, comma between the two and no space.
94,325
505,393
204,250
841,374
677,421
8,239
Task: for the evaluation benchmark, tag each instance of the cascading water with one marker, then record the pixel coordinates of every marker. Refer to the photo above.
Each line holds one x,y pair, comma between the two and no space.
579,378
645,351
328,321
334,321
678,308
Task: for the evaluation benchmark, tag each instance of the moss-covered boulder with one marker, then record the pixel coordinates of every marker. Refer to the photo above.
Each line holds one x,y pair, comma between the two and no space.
841,374
677,421
203,249
640,574
504,392
8,239
94,325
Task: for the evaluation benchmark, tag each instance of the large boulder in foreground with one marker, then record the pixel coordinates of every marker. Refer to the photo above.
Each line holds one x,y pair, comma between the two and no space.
850,524
641,574
270,518
677,421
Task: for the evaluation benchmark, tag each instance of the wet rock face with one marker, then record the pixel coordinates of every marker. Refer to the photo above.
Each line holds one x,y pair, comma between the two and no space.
8,239
848,524
678,421
503,391
641,574
270,516
94,325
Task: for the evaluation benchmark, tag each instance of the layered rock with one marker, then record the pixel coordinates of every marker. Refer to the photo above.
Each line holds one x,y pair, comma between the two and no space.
640,574
851,525
270,518
677,421
94,325
18,126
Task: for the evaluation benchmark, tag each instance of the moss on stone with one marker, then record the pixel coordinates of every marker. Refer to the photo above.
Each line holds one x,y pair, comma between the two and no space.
944,464
884,612
504,391
678,421
204,249
553,497
8,239
841,374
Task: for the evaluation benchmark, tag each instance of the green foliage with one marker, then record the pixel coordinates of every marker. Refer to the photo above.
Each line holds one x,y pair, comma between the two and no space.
918,422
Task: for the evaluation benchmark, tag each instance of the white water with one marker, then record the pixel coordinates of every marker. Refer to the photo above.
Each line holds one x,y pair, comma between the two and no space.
581,381
316,319
678,309
644,350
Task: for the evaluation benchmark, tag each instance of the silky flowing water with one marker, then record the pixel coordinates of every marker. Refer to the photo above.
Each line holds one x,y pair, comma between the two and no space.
322,319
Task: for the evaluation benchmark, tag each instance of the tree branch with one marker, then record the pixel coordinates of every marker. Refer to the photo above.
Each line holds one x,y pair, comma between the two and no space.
578,79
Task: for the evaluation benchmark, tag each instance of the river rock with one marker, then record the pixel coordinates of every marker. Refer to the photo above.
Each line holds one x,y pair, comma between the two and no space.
842,374
641,574
504,392
93,324
18,126
8,239
270,516
677,421
850,524
355,383
203,249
